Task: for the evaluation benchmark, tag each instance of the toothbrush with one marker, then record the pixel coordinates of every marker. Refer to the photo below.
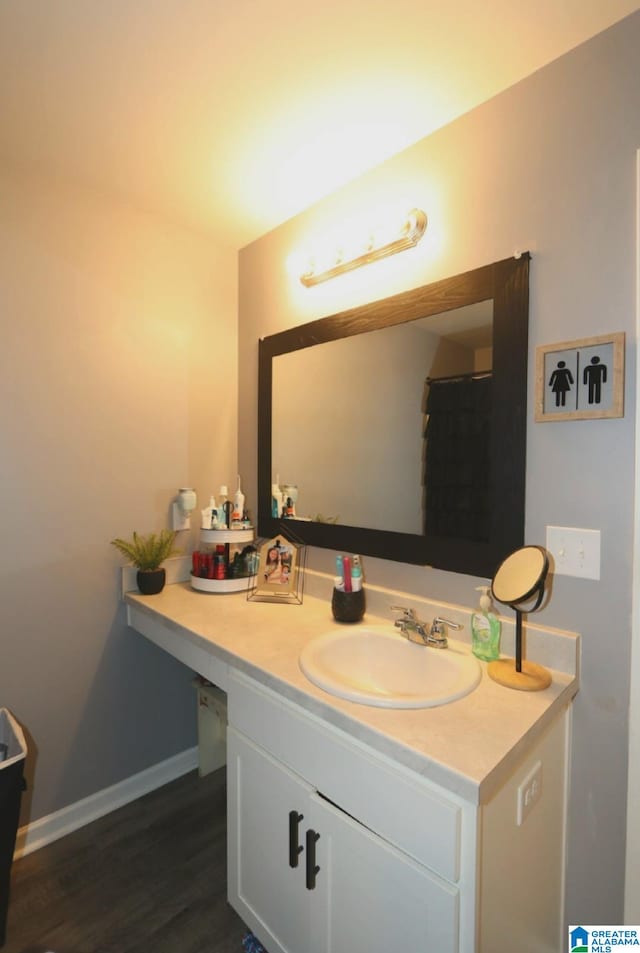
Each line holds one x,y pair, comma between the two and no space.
346,563
340,570
356,574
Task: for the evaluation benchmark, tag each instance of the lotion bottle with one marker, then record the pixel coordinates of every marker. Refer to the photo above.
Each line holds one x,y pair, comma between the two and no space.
207,514
238,506
485,629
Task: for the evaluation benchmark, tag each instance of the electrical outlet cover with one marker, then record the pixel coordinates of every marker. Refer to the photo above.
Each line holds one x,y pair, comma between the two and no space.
529,792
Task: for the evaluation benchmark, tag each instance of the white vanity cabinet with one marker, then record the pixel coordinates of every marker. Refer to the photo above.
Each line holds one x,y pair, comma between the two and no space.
401,863
305,872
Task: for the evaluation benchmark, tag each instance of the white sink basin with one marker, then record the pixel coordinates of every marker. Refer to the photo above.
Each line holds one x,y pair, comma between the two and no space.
376,665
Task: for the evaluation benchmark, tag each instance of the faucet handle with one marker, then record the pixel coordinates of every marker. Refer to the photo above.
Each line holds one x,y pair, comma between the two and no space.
438,632
439,622
408,613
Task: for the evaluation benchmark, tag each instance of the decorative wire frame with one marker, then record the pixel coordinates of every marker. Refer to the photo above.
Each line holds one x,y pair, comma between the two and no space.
294,594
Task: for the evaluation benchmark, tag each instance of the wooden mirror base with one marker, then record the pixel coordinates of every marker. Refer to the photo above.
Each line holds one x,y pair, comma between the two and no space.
532,678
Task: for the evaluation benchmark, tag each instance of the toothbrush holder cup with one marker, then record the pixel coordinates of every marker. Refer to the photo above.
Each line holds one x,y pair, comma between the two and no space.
348,606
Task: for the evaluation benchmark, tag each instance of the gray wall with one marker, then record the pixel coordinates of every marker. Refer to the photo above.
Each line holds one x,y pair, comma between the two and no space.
108,406
549,165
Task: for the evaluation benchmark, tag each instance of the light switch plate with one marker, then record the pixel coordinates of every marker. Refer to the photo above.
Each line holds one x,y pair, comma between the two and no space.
576,552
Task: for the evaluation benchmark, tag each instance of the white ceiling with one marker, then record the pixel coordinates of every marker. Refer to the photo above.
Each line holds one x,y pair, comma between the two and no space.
234,115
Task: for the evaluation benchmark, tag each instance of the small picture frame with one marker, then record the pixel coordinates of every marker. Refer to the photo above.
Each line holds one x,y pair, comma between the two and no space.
580,380
280,570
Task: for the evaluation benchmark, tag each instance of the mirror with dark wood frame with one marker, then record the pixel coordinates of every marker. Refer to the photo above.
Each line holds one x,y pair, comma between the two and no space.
454,453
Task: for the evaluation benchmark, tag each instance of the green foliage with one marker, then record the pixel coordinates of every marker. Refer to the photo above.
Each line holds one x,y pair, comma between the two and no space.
148,552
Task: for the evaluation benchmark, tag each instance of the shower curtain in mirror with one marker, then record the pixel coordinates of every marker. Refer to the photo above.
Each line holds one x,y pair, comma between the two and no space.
457,457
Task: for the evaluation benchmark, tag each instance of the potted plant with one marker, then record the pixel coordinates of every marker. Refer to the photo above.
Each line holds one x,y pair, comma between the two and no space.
147,553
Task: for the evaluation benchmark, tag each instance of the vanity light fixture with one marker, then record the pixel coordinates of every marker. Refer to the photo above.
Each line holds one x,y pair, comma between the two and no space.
374,247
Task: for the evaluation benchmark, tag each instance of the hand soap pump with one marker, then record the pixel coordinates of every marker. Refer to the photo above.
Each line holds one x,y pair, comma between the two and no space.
485,629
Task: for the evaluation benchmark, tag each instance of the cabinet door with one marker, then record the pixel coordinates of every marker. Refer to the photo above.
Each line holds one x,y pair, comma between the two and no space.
370,897
350,891
269,894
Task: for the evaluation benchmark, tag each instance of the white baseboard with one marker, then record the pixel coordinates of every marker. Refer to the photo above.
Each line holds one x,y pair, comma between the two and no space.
53,826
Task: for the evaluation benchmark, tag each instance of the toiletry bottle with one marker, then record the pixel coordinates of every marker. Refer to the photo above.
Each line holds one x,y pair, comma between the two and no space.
290,495
238,506
206,515
219,563
222,518
277,498
485,629
214,513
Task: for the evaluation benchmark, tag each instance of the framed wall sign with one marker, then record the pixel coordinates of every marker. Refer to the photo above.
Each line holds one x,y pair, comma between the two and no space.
580,380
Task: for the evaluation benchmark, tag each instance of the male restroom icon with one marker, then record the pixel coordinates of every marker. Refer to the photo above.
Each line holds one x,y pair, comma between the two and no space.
595,375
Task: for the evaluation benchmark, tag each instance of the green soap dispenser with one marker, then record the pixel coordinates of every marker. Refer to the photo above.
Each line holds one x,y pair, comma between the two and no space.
485,629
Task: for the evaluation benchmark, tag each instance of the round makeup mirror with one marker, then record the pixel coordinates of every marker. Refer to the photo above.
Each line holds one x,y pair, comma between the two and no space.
521,577
519,582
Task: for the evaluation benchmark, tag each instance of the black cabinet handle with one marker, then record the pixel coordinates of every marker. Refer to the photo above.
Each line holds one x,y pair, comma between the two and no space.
294,847
312,868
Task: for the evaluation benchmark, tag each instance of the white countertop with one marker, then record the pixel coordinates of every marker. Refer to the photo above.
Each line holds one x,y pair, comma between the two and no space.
469,746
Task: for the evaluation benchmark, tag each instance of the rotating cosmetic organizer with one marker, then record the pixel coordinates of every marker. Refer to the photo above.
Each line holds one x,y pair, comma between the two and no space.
211,541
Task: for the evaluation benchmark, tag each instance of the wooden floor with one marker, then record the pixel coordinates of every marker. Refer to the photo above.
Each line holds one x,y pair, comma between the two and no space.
148,878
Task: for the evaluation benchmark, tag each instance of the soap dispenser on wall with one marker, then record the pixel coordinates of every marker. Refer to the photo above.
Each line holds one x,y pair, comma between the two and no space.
183,507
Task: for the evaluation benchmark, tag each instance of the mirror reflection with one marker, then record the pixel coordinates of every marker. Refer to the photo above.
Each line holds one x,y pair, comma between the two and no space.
384,401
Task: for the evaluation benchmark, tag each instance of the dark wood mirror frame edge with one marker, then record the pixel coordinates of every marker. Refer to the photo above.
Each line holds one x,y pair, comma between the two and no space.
507,283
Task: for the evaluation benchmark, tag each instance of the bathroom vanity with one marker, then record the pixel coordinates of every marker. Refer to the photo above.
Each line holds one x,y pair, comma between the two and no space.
367,829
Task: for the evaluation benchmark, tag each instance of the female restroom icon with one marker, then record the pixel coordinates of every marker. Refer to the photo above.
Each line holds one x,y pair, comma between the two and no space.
561,382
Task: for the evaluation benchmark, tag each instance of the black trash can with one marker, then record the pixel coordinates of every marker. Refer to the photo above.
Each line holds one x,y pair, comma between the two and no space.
13,751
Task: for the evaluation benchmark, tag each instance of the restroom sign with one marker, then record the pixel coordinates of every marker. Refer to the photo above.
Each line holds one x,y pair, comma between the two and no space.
579,380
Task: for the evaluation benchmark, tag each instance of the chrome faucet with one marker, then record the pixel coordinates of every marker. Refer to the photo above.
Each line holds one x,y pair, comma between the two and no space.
422,633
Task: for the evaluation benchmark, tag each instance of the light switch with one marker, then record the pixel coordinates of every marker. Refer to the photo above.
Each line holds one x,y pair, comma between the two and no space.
576,552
